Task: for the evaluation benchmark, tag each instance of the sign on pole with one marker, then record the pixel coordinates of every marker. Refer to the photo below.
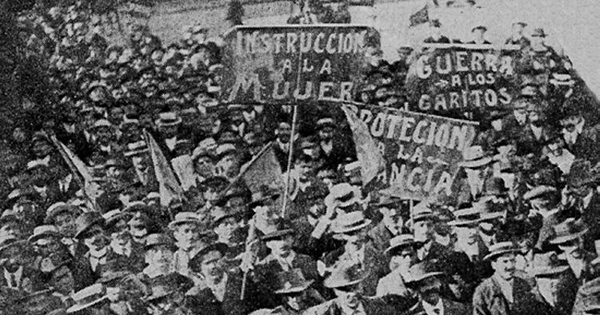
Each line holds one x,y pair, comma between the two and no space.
293,64
421,151
453,79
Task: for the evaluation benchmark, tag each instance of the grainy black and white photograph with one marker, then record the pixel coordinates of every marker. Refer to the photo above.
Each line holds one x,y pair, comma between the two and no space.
299,157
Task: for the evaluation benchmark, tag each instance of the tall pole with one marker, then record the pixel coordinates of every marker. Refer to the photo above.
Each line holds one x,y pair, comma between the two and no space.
289,162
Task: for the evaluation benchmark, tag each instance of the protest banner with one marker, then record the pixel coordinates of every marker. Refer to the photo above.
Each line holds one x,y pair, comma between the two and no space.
421,151
292,64
454,79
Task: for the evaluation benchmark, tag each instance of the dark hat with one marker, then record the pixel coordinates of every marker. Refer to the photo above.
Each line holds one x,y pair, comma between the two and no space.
489,210
88,297
216,182
278,234
350,222
581,174
114,216
421,271
263,194
500,249
547,264
568,230
291,281
399,242
494,186
196,261
345,275
85,221
538,32
158,239
221,213
466,217
479,27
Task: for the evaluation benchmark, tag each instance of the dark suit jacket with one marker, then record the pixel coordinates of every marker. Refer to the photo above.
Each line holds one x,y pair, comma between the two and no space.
489,300
381,236
30,280
373,306
268,268
450,308
201,300
586,146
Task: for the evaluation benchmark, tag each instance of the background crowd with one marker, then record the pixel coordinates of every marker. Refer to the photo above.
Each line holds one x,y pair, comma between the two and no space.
521,236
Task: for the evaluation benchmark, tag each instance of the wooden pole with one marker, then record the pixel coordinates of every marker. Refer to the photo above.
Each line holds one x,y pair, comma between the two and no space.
289,162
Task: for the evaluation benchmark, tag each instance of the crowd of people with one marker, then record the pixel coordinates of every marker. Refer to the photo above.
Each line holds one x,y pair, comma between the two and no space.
522,236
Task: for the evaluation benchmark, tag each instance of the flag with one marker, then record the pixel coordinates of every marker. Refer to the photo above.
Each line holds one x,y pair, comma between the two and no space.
168,186
80,171
369,156
419,17
263,170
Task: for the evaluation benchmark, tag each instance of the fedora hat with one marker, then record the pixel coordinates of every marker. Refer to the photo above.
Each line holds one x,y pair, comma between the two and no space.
343,195
264,193
44,231
538,32
500,249
489,210
85,221
278,234
474,157
345,275
539,191
350,222
399,242
112,217
466,217
221,213
184,217
494,186
87,297
196,261
168,119
568,230
291,281
421,271
58,208
547,264
136,148
158,239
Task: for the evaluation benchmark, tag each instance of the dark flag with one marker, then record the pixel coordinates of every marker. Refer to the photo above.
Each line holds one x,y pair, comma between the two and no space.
419,17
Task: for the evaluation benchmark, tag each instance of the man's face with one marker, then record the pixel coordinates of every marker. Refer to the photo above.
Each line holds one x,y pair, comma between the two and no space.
348,296
392,218
204,166
430,290
403,259
228,165
211,264
569,124
138,231
304,169
537,40
116,115
504,266
326,134
315,212
120,233
284,133
169,131
423,230
160,256
281,247
355,238
41,149
296,301
103,134
185,234
267,214
225,228
95,239
65,223
467,235
62,280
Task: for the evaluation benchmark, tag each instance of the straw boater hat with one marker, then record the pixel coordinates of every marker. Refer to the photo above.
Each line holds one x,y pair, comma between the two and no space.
263,194
474,157
59,208
279,234
568,230
466,217
168,119
85,221
158,239
350,222
136,148
343,195
399,242
88,297
539,191
345,275
489,211
292,281
500,249
547,264
44,231
421,271
196,261
184,217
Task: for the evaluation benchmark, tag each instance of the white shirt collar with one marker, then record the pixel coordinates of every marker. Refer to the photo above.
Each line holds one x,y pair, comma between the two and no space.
17,274
429,308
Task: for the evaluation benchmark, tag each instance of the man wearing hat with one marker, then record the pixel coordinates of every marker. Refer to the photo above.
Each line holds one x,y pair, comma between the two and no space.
128,252
556,288
142,170
168,127
568,236
346,282
293,288
11,226
517,37
17,272
220,292
282,257
424,278
402,253
187,231
476,164
91,299
435,31
478,33
332,148
105,145
468,240
582,188
358,249
228,161
90,231
580,136
43,189
63,217
394,215
537,131
168,296
503,292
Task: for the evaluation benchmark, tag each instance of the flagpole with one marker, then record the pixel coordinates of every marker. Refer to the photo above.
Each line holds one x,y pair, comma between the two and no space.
289,162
